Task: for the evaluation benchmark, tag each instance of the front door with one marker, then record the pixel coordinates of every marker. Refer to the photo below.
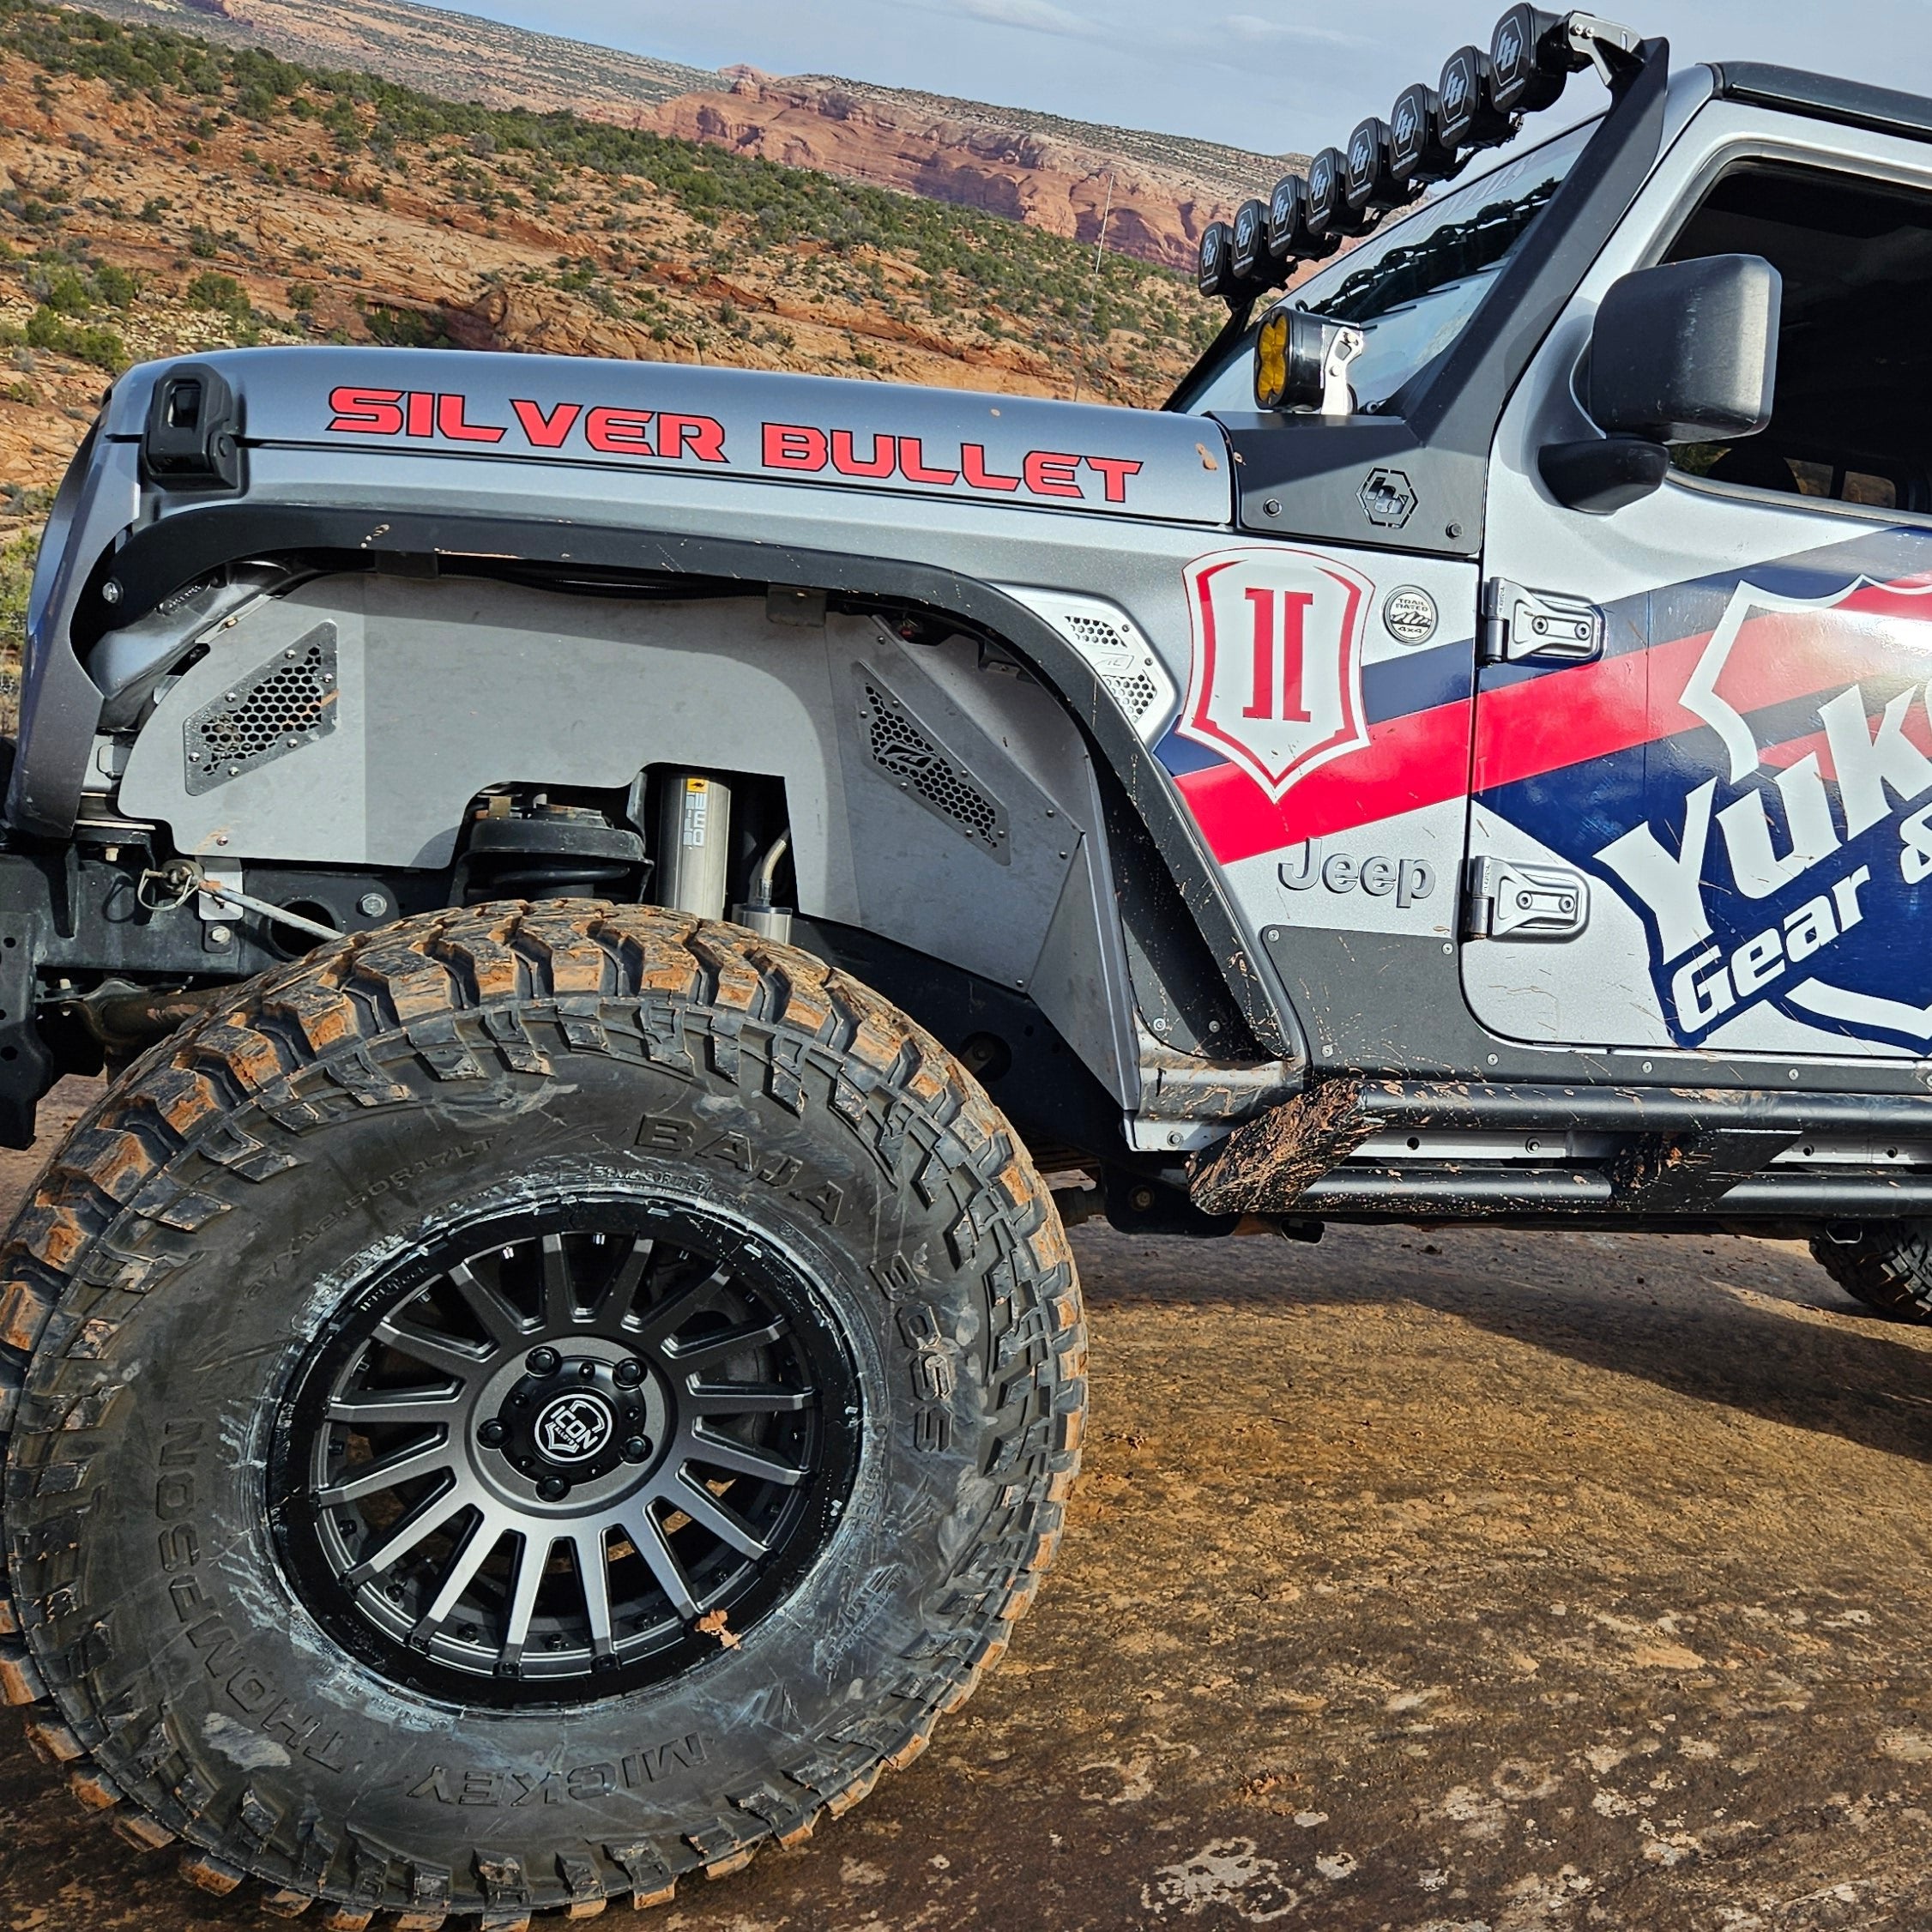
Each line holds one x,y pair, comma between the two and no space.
1702,811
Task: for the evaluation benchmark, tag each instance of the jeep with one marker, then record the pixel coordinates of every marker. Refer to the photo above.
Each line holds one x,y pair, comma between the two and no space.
627,907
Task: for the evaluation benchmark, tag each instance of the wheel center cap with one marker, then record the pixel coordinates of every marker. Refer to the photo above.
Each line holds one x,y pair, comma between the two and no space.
574,1428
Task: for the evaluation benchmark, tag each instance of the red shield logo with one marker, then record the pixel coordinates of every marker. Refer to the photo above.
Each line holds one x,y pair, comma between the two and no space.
1276,683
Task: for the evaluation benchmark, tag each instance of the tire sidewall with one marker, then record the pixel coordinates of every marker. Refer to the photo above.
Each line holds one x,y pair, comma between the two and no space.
205,1640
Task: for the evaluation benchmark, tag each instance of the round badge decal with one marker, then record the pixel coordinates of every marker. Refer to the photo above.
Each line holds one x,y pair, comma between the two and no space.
1409,615
574,1428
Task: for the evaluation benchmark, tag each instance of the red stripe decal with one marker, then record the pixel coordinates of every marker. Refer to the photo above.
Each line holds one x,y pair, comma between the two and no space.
1420,759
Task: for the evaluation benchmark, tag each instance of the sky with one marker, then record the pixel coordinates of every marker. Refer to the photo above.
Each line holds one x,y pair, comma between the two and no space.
1258,74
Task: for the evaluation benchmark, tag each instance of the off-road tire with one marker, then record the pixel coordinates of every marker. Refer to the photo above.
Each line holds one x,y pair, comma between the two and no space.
1888,1268
175,1263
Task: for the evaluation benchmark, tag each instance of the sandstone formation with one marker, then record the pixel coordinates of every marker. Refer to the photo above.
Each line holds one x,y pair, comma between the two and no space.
1000,160
1155,192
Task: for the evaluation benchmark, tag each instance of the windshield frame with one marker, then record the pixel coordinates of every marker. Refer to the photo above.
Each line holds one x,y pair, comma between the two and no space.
1234,346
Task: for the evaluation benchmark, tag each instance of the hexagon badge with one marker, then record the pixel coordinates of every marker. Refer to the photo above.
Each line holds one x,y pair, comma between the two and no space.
1275,681
1388,499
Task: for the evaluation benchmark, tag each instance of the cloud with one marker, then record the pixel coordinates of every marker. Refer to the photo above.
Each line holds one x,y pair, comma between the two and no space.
1253,29
1030,16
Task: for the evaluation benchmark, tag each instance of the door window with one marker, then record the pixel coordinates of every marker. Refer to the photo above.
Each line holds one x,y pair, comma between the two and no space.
1852,411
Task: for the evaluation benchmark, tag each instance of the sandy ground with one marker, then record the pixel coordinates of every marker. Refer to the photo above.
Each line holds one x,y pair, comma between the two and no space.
1451,1582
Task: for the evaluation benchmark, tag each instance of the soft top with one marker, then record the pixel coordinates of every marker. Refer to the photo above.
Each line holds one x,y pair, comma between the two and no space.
1826,97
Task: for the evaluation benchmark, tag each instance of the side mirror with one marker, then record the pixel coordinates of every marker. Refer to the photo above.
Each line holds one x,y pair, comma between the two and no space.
1684,352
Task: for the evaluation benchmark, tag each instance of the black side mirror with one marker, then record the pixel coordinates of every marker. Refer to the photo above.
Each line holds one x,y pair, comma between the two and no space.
1684,352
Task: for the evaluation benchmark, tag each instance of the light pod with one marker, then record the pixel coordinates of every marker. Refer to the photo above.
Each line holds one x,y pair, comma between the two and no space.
1529,60
1369,179
1253,263
1289,236
1327,210
1213,272
1418,153
1468,115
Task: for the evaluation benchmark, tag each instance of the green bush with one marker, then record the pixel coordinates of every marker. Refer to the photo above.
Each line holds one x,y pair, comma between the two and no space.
222,294
404,328
47,329
117,286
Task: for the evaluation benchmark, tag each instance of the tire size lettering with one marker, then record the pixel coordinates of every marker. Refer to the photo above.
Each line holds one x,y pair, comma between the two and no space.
666,1134
934,1378
462,1155
510,1791
255,1696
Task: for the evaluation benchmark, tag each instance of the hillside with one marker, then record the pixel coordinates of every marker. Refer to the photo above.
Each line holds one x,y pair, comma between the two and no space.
1043,169
455,55
160,194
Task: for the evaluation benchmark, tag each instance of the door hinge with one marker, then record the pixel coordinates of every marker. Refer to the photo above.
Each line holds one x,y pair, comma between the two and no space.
1507,900
1522,627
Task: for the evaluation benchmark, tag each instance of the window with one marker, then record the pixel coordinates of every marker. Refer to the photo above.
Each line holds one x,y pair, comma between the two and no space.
1413,283
1851,416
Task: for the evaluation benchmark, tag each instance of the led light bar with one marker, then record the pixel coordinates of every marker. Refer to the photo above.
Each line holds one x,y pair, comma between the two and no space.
1479,102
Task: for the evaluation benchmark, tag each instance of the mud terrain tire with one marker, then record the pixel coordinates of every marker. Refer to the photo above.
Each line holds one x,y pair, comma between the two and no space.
253,1187
1888,1268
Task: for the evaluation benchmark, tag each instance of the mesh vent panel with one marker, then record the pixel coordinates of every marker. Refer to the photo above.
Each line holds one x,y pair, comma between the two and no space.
905,752
288,703
1114,657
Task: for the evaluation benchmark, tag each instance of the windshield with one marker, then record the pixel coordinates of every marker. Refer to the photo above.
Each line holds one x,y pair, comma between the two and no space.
1410,287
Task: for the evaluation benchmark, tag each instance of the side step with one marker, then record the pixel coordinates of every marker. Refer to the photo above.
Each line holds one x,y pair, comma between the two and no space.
1386,1150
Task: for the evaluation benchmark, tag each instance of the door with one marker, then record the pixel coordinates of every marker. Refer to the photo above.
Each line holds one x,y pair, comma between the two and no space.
1701,810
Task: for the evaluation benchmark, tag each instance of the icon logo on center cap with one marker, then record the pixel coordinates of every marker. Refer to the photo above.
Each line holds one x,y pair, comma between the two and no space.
573,1429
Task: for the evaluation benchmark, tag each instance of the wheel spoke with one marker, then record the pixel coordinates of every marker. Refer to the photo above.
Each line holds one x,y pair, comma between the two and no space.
396,1405
461,1572
642,1527
461,1359
593,1575
533,1560
559,1287
422,1522
621,1290
682,1305
745,1398
502,1321
707,1512
724,1452
709,1348
425,1459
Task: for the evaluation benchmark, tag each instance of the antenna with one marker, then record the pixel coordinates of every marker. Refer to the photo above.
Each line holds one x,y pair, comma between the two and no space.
1093,283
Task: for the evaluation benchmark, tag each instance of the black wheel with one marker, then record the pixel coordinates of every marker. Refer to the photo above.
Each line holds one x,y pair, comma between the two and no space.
1887,1266
524,1405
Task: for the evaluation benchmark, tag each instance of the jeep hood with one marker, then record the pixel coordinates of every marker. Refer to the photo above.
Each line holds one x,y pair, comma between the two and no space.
805,430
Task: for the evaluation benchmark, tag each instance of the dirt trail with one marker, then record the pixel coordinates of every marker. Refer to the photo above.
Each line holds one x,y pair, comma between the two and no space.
1452,1583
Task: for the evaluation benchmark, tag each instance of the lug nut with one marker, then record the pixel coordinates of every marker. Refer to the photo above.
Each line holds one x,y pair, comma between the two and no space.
543,1362
628,1374
493,1435
554,1489
636,1449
